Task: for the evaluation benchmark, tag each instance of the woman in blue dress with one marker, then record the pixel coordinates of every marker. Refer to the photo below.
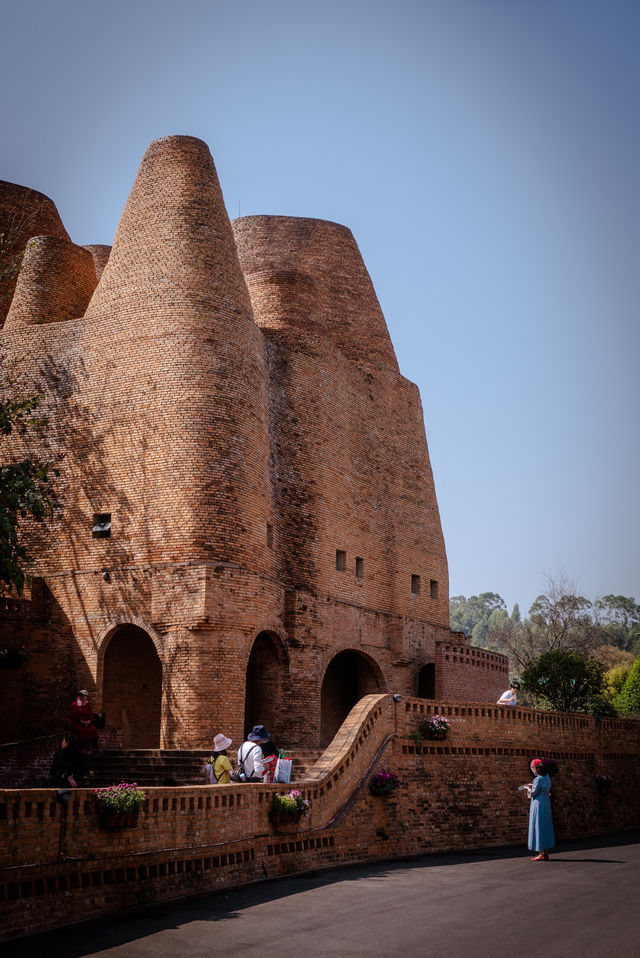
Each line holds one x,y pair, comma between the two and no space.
541,837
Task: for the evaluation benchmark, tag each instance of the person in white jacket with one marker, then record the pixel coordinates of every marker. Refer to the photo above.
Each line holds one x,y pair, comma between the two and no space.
510,697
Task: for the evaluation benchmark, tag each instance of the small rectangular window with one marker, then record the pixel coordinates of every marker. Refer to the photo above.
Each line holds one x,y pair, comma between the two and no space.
341,560
269,536
433,588
359,567
101,525
415,585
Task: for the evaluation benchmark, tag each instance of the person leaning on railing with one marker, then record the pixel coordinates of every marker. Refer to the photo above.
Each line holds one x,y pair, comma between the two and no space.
510,697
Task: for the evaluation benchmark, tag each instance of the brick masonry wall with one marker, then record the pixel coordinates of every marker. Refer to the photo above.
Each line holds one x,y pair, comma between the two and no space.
231,398
468,674
36,697
56,282
460,793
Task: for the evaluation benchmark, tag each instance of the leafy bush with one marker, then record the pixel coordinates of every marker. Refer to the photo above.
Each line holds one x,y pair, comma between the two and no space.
614,680
628,699
566,681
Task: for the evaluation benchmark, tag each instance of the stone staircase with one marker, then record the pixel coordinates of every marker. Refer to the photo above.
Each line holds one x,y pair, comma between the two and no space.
171,767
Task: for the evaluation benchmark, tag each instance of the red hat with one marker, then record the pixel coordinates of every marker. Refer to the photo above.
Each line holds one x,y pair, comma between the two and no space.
536,762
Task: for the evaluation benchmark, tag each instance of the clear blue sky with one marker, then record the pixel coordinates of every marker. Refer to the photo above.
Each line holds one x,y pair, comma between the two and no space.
485,154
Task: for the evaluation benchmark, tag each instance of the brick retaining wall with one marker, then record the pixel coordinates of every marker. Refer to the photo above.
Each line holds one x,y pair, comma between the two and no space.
59,866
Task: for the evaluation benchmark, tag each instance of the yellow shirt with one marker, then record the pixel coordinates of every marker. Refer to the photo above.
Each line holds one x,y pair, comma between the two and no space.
221,769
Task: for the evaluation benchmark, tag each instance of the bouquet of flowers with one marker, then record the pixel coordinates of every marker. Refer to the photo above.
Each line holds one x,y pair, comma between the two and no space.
384,782
290,805
123,799
437,726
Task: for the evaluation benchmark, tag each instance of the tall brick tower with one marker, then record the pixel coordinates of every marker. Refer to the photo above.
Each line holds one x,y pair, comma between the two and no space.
249,530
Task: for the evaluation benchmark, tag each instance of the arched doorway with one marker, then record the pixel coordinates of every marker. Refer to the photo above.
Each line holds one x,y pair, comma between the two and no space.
349,676
132,687
427,681
263,704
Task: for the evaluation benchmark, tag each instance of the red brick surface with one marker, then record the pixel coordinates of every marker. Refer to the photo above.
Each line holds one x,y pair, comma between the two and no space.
25,213
57,866
231,397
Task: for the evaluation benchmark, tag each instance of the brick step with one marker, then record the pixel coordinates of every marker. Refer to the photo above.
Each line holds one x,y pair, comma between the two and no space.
153,767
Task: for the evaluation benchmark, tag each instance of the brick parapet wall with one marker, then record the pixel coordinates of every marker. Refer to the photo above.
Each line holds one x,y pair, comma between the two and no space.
460,793
466,673
477,723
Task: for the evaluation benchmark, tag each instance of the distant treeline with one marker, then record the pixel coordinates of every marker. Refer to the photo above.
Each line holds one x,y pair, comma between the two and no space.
607,628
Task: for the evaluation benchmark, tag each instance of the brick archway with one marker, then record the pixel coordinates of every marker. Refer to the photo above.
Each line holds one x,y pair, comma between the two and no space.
264,695
132,686
349,676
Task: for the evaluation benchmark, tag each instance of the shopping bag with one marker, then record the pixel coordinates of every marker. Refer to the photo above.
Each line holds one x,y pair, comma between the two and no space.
269,766
283,770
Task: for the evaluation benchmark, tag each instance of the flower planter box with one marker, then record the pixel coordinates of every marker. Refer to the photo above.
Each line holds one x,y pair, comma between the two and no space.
435,735
115,820
277,818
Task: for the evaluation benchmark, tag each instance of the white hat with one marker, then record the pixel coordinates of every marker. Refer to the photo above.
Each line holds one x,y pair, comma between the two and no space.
221,742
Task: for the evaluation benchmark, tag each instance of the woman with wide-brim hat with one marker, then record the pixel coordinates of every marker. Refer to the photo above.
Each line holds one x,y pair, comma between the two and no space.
219,763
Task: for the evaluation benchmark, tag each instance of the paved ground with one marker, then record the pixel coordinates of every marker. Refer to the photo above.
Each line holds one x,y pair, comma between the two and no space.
485,904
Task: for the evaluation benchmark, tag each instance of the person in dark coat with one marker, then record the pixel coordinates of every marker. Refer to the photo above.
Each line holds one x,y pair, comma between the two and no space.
69,764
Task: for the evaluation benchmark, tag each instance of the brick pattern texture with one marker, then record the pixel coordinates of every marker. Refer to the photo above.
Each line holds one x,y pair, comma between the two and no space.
57,865
229,395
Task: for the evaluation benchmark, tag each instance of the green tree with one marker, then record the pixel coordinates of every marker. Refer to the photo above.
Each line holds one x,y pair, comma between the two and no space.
472,615
628,699
613,657
561,619
565,680
26,492
619,616
614,680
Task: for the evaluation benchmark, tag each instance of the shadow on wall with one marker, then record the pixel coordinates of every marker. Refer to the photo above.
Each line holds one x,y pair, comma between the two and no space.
79,433
35,697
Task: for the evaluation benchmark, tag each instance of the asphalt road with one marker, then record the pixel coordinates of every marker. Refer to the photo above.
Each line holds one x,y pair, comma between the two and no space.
494,903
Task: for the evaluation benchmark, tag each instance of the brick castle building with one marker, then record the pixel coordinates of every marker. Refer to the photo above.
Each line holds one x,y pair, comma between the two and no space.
249,529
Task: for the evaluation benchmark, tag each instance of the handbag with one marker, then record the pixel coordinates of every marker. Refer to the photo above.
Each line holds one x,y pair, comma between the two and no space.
282,773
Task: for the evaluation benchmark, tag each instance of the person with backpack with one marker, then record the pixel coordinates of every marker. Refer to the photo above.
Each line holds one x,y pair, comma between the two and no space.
218,768
250,768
